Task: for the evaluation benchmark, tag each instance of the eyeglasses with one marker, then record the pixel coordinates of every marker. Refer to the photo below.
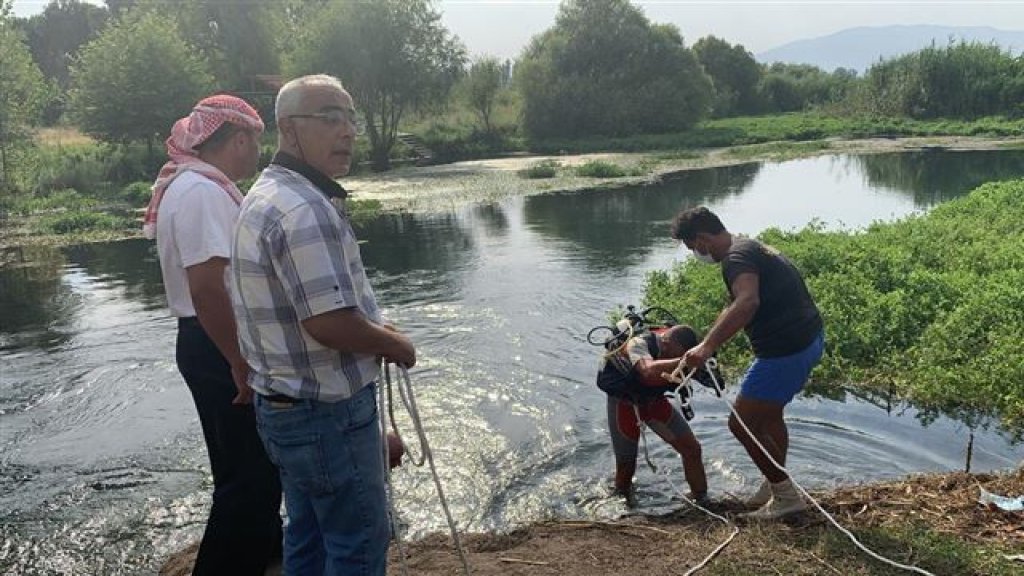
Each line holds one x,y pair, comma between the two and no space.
335,116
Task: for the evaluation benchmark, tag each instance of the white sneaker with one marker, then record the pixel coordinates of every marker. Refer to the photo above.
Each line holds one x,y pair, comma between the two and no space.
761,497
775,509
785,501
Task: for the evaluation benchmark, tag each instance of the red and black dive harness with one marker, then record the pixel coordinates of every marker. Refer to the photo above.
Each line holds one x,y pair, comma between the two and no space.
618,377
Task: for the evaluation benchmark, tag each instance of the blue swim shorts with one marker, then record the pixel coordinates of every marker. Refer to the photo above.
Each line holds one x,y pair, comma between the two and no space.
780,379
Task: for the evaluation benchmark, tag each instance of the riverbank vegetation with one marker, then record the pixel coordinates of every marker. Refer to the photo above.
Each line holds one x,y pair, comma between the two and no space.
602,78
928,308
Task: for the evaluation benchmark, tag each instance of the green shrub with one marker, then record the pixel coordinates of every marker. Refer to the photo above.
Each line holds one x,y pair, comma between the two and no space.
542,169
91,167
58,200
363,210
452,144
600,169
72,222
136,194
929,307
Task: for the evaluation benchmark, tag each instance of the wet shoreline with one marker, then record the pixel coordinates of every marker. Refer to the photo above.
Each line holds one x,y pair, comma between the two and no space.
447,186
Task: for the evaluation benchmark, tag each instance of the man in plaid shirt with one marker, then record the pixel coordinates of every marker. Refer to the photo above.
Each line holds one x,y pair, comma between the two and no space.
310,328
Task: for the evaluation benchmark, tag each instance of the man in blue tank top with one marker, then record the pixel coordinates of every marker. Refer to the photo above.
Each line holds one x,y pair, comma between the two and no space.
770,302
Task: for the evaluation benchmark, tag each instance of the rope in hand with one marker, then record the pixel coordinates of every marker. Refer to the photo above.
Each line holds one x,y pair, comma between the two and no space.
718,386
409,400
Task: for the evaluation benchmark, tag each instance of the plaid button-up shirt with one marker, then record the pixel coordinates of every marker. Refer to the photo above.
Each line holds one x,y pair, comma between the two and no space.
295,256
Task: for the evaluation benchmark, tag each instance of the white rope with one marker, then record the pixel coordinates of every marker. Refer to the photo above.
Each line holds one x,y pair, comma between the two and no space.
720,547
386,464
409,399
417,462
848,534
642,426
686,382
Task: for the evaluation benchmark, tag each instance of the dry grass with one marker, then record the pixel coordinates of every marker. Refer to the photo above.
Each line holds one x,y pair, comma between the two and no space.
61,136
948,503
932,521
888,518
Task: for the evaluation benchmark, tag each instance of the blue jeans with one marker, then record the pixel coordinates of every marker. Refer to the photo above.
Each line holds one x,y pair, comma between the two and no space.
330,460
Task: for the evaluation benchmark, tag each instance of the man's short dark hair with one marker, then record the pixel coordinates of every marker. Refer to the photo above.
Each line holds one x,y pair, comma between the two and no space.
220,136
693,221
684,336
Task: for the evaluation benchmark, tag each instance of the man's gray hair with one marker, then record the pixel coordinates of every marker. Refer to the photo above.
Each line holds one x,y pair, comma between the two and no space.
289,98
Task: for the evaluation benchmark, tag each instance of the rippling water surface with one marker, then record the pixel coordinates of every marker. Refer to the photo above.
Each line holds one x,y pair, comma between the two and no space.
102,466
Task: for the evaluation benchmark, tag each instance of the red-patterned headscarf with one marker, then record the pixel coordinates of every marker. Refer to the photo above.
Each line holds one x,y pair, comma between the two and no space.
188,133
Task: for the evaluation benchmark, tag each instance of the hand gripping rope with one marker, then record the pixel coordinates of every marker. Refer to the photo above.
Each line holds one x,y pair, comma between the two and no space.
409,400
681,375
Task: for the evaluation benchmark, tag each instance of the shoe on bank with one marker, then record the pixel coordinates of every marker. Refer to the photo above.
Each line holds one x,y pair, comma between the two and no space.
761,497
774,510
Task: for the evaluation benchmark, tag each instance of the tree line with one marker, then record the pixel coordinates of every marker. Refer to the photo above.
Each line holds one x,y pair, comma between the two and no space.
124,72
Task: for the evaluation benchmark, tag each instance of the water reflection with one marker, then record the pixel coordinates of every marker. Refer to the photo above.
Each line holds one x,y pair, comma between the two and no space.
492,216
931,177
34,302
131,265
625,223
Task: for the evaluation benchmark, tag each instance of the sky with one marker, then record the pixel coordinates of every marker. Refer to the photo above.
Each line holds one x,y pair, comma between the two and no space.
502,28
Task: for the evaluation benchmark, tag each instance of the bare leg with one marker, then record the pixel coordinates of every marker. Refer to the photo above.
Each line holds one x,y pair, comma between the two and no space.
624,472
767,424
693,463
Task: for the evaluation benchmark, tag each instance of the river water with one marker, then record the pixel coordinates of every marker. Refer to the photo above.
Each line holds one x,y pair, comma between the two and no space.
102,465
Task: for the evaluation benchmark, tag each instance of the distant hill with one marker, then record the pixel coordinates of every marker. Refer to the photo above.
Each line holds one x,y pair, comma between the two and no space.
859,48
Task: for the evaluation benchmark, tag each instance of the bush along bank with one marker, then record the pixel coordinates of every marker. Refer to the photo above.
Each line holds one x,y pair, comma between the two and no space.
929,307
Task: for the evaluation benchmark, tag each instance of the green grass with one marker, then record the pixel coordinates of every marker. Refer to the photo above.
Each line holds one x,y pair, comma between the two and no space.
779,150
600,169
801,126
541,170
363,210
76,222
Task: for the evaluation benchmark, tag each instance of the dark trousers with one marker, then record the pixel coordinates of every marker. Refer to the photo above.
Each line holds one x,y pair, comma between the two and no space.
243,532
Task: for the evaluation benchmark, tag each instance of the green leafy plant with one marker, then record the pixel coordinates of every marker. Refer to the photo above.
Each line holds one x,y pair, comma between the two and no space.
600,169
542,169
929,307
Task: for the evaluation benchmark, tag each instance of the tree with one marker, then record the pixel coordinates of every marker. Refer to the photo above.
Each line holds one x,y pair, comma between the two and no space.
791,87
483,85
56,34
392,55
603,69
22,92
239,39
119,8
734,73
135,80
961,80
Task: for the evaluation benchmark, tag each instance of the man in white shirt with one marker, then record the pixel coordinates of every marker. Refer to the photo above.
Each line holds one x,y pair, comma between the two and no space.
192,214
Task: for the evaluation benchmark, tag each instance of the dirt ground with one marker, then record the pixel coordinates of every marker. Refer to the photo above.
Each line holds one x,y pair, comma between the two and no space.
673,543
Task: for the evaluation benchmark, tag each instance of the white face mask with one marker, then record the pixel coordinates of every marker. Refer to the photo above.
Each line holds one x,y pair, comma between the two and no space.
705,258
